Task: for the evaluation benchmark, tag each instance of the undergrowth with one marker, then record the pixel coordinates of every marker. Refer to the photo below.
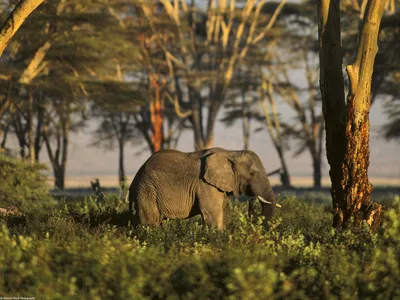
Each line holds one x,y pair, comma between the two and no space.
85,249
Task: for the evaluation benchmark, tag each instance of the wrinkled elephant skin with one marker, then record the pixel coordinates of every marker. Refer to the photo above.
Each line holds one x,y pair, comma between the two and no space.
177,185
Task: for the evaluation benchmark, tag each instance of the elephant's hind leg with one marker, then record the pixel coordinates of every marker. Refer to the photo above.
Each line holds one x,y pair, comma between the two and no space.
148,213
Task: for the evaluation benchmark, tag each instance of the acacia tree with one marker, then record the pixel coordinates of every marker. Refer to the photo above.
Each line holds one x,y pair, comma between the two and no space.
78,42
115,104
21,103
258,102
273,122
347,125
202,52
308,126
116,126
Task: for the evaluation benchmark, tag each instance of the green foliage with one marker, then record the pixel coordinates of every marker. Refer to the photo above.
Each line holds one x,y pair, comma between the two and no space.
22,185
77,250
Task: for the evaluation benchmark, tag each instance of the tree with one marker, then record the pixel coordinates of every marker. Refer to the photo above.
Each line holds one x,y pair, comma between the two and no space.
21,11
257,91
307,128
116,126
201,53
75,43
116,104
56,129
347,125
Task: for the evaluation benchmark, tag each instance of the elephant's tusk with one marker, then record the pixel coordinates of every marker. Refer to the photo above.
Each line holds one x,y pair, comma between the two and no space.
268,202
263,200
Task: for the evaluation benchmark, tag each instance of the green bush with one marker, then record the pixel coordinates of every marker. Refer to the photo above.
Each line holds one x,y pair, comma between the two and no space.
82,250
22,185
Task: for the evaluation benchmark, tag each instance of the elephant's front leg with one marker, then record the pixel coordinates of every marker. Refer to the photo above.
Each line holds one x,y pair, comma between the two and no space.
213,204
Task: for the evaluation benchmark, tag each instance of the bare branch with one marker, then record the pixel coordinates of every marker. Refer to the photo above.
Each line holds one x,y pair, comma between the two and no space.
271,22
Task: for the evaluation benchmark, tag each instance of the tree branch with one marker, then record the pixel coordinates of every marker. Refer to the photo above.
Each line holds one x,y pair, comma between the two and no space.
21,11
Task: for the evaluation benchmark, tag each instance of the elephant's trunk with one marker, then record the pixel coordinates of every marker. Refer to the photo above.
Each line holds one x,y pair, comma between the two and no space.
268,203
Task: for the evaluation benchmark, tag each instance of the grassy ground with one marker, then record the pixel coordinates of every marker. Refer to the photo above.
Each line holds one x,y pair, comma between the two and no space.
82,249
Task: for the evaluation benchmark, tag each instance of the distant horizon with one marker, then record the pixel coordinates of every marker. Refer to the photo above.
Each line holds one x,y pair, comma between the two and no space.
111,181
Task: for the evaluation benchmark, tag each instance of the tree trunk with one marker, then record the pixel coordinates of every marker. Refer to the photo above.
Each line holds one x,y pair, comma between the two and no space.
156,117
59,177
317,172
246,120
215,105
30,129
21,11
4,138
58,158
121,169
285,177
197,125
39,128
347,129
20,133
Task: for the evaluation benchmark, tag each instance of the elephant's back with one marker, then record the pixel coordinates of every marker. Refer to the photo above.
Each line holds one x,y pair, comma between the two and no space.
172,163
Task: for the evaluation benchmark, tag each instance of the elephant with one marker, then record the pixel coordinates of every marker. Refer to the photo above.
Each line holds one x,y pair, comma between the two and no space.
179,185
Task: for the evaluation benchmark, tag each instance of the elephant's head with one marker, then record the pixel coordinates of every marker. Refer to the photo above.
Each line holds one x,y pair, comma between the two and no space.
239,172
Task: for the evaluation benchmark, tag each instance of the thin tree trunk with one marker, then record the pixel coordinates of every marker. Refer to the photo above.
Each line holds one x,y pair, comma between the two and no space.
245,121
59,177
347,129
317,172
65,139
4,138
121,169
20,133
39,128
213,110
30,129
156,115
21,11
284,176
196,122
58,158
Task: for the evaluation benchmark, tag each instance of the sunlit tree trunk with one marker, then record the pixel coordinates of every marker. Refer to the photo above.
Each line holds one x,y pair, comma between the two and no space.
156,117
347,128
21,11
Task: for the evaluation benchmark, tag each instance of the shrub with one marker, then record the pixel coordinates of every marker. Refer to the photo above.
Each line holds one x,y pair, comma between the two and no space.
22,185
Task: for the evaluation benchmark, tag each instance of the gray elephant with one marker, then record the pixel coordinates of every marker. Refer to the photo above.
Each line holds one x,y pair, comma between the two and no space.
177,185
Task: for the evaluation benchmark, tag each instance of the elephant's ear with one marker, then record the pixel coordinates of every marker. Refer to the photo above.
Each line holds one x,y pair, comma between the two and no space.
219,171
